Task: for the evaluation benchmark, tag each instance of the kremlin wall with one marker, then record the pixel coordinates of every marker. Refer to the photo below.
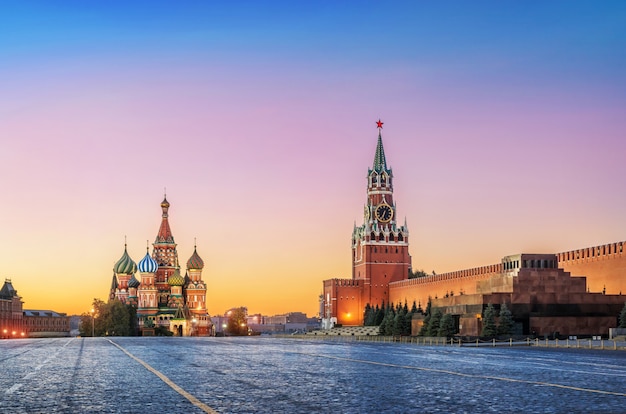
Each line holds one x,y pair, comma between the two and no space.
603,266
577,292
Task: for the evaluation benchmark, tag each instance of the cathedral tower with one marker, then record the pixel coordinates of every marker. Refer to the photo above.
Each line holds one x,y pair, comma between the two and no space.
147,292
165,254
196,295
124,270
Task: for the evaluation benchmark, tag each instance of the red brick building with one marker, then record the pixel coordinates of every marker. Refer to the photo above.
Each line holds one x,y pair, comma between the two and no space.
16,322
11,314
380,251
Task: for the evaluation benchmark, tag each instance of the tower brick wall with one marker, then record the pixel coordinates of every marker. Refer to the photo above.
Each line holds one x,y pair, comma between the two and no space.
344,301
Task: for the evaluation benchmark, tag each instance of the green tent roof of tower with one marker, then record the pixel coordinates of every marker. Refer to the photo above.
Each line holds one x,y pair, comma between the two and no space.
380,162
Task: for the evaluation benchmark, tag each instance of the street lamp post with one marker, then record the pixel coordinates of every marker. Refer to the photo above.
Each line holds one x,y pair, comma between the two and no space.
93,322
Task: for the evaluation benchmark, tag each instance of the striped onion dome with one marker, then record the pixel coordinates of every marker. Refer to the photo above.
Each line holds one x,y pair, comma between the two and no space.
125,265
176,279
147,264
195,262
133,282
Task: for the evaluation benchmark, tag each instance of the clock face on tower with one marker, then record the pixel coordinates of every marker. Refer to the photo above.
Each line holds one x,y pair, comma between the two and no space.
384,212
367,213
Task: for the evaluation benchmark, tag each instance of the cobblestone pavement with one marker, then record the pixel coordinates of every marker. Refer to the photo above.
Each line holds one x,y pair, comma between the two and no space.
269,375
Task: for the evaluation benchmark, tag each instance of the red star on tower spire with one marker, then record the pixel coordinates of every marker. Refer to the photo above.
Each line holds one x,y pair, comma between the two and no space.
379,124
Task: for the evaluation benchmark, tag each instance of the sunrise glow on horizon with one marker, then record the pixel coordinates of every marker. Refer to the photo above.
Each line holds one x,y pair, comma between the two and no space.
504,125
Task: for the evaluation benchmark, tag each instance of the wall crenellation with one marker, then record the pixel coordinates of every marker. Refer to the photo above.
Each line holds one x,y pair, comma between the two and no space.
458,274
611,250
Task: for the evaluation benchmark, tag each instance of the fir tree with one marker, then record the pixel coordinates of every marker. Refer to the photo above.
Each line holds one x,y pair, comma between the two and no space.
380,315
447,327
414,308
424,330
386,327
622,317
408,324
505,325
398,323
368,315
434,323
489,322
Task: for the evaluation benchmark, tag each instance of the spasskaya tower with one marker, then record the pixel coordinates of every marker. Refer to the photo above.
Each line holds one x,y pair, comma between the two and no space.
380,250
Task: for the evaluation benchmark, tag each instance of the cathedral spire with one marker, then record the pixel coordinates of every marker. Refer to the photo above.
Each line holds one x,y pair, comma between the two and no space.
380,163
165,233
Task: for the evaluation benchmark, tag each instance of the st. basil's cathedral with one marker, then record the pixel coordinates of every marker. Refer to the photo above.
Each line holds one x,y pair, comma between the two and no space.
163,297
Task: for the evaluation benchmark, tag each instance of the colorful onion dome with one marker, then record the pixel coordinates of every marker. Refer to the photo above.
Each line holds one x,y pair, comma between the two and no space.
195,262
125,265
176,279
133,282
147,264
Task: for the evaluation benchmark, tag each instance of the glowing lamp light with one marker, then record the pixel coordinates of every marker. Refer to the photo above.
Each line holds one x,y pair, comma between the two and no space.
13,333
22,334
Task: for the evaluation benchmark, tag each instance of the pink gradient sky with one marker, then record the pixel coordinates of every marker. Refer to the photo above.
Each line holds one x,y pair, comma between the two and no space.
505,130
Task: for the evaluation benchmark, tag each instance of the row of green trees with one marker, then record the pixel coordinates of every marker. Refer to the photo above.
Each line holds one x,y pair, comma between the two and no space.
391,320
505,322
437,323
397,320
111,318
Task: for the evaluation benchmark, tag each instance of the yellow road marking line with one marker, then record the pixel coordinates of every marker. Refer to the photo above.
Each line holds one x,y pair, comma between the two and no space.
461,374
169,382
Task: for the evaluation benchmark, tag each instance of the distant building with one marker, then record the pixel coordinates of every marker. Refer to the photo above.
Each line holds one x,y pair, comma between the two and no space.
257,323
16,322
11,314
285,323
46,323
163,297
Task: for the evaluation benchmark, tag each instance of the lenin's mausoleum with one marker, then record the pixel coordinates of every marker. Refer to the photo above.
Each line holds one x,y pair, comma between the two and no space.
577,292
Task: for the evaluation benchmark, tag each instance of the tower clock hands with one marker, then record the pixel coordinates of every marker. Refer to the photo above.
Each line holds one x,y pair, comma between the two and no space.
384,212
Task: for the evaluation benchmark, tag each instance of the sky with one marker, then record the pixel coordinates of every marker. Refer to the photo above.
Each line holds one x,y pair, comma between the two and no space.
504,124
